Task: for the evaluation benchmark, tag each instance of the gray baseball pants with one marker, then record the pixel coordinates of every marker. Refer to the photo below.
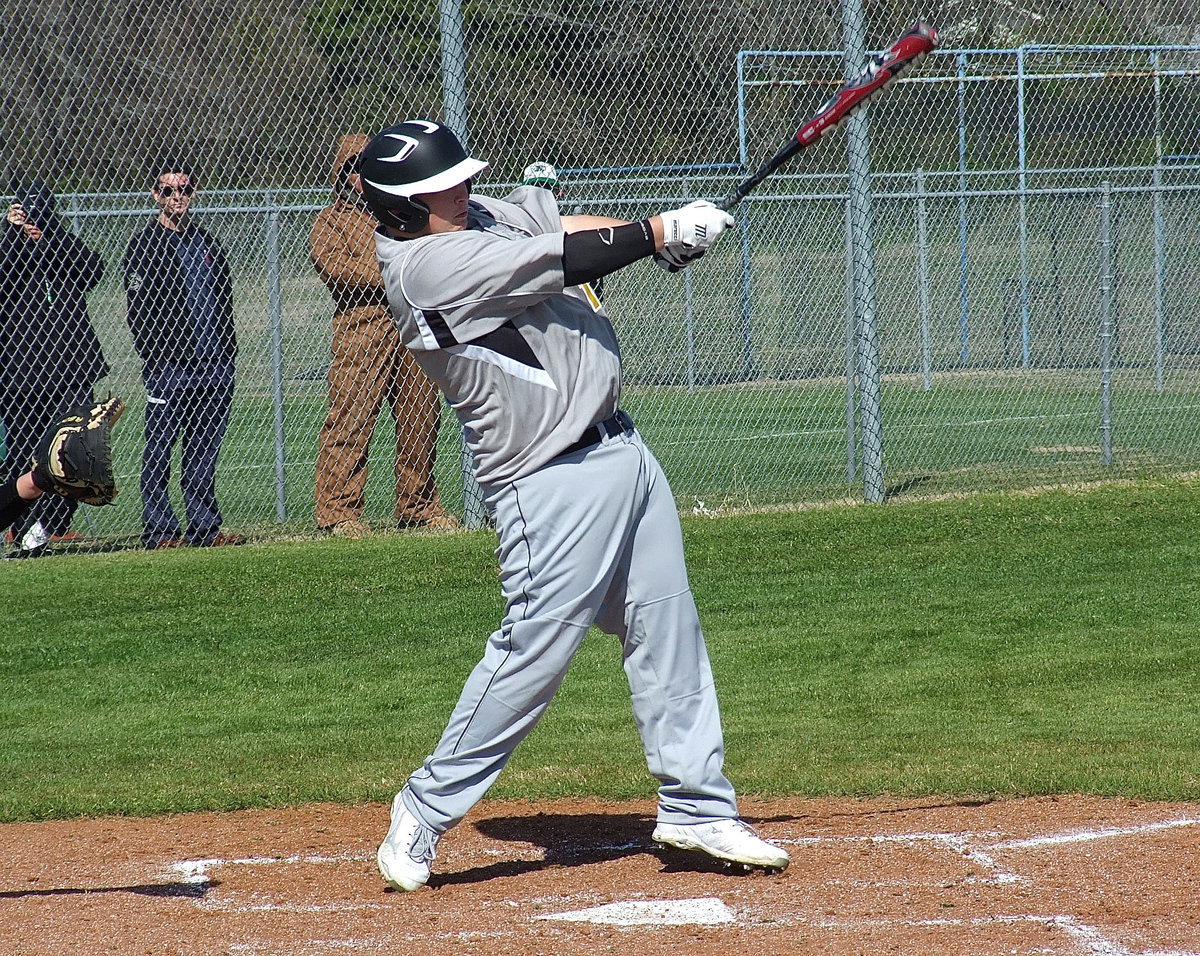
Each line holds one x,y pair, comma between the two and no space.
592,537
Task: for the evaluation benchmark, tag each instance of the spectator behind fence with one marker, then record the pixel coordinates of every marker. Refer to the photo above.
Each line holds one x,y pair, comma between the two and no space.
50,356
180,312
369,366
545,175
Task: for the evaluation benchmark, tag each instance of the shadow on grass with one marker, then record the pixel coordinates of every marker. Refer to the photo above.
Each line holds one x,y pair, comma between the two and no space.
904,486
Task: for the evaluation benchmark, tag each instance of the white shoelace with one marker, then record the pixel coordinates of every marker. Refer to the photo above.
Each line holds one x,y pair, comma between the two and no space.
424,845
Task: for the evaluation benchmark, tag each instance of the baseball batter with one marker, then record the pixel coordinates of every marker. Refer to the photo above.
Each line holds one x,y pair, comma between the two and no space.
492,298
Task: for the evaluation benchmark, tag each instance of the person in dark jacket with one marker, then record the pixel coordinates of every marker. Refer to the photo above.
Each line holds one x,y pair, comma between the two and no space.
180,312
50,356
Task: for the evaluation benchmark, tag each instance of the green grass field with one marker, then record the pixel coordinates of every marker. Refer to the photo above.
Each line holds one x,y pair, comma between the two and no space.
749,445
1000,644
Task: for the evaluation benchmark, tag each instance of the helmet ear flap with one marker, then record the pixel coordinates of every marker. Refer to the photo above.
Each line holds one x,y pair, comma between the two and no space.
407,215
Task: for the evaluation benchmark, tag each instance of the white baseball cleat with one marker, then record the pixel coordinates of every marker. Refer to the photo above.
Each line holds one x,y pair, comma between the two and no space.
731,840
407,850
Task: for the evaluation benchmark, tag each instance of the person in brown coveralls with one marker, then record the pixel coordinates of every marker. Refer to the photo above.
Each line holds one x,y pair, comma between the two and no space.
370,366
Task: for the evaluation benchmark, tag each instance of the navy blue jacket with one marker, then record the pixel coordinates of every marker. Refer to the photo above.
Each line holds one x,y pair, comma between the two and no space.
157,297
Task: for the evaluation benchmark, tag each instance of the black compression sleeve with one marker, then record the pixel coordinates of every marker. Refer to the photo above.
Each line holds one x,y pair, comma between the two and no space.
593,253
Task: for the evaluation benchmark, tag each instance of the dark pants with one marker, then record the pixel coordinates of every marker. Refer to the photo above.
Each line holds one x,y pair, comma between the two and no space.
197,416
26,418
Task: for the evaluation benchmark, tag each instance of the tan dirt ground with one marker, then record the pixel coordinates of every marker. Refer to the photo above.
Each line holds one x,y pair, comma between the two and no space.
1068,876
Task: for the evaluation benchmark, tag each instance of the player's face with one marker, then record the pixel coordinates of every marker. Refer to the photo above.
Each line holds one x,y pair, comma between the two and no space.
447,209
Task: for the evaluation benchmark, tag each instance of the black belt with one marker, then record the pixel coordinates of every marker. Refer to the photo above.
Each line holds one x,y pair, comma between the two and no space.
616,424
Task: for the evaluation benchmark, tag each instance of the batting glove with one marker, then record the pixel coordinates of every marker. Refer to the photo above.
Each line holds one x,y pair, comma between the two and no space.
696,226
676,260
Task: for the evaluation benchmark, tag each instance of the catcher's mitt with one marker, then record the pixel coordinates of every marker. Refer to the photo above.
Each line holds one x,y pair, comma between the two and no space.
74,457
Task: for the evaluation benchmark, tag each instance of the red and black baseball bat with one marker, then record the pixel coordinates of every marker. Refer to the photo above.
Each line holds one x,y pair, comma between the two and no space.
879,72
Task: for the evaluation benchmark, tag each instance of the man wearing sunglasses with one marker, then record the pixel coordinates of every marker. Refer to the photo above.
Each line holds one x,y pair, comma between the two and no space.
180,311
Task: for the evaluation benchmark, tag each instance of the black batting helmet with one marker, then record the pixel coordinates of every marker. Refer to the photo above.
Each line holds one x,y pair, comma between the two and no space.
409,159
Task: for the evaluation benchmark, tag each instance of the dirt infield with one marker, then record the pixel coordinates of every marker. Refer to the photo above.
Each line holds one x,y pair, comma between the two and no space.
1050,876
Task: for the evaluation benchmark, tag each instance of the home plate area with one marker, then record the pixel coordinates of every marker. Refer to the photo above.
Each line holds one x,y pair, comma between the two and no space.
1066,875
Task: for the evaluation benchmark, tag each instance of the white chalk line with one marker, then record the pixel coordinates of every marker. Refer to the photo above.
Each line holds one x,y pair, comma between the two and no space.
961,844
710,911
1094,942
1103,833
216,906
965,843
196,871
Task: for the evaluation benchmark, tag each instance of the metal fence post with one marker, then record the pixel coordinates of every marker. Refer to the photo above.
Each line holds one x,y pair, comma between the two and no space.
964,308
689,314
1160,238
475,514
275,321
1023,208
749,371
863,258
454,104
1106,323
1160,282
923,281
689,318
73,213
851,357
454,67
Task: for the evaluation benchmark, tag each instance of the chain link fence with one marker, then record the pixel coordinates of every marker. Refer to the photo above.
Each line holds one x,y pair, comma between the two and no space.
1009,304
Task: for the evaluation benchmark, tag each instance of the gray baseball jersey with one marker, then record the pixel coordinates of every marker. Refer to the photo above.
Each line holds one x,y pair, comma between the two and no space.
526,364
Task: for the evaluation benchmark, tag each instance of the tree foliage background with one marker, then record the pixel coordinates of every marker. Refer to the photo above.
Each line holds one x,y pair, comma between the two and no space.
255,92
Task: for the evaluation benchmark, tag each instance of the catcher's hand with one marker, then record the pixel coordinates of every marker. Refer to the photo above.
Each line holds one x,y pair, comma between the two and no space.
74,457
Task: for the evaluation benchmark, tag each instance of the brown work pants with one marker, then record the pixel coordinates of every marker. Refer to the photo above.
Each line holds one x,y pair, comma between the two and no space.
370,366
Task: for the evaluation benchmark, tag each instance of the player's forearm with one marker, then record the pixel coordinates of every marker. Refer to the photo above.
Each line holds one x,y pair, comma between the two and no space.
573,224
16,499
27,488
592,253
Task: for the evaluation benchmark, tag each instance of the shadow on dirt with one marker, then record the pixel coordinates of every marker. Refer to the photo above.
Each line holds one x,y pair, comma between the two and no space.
868,811
579,840
183,890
